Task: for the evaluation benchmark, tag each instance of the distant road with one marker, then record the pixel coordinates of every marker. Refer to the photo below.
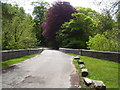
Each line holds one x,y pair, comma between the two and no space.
50,69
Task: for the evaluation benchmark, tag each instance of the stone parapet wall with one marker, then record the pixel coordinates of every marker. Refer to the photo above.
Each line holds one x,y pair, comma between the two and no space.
111,56
67,50
10,54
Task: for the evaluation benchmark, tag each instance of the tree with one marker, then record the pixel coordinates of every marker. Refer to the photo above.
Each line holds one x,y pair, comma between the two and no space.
9,11
95,16
19,34
56,15
88,11
101,43
76,32
111,6
107,37
105,22
18,29
40,8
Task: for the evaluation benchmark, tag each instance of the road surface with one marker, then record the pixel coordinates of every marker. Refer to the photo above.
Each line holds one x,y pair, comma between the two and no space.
50,69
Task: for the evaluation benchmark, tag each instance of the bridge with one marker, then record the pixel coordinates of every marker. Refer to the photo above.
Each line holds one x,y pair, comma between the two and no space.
50,69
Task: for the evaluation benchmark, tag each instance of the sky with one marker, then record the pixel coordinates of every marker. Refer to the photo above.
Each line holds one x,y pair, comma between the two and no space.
26,4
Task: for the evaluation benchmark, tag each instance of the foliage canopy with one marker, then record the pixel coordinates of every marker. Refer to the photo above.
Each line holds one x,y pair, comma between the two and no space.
17,28
56,15
76,32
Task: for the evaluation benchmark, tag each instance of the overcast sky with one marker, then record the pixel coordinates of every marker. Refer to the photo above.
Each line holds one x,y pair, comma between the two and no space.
26,4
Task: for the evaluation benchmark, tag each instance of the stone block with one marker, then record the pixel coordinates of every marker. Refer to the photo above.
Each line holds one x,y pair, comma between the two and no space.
84,72
99,85
80,62
77,57
82,66
88,81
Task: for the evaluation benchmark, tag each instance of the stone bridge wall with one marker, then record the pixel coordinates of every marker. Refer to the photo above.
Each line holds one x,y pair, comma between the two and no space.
10,54
111,56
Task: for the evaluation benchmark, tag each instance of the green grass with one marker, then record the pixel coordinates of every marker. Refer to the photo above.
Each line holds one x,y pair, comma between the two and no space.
106,71
16,60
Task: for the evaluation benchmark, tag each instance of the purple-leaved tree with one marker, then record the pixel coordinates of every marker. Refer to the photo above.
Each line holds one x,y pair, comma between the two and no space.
56,15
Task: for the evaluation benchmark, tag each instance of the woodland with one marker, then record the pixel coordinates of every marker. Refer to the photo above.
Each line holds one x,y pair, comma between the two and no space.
61,25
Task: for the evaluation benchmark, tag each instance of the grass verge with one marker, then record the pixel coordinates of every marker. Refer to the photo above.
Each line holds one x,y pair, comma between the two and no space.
16,60
106,71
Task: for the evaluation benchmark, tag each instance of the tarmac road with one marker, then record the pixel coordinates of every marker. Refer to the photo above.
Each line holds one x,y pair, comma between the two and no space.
50,69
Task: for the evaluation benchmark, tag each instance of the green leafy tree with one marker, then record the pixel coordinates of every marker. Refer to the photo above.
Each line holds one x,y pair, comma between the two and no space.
102,43
88,11
17,28
105,22
9,11
107,37
75,33
40,8
19,34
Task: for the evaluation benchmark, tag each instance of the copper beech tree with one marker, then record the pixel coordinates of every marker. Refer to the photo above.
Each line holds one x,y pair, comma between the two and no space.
56,15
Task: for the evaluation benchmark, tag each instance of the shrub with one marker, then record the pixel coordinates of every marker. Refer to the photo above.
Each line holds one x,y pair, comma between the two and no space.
102,43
